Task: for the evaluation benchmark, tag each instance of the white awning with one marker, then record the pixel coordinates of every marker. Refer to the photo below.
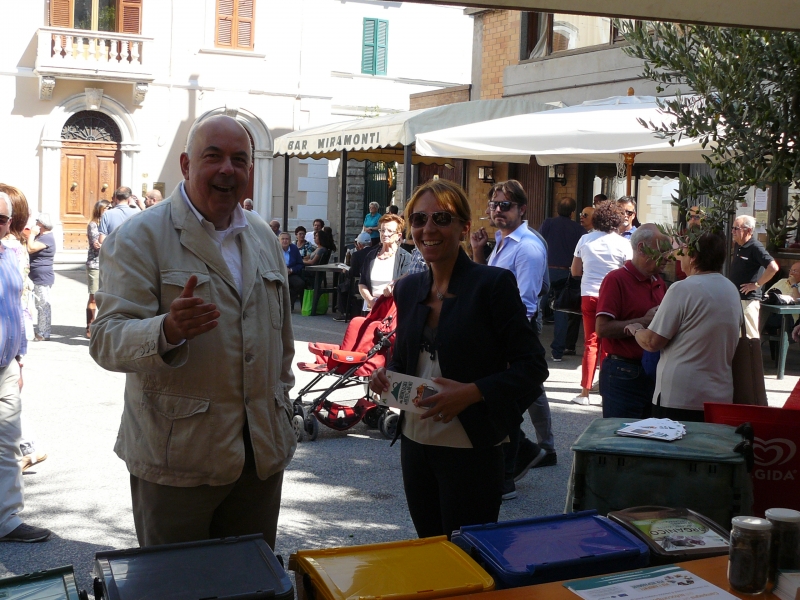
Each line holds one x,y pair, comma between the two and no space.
592,132
384,138
758,14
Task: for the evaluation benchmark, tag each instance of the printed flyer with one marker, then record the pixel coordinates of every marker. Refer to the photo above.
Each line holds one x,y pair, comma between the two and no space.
405,392
657,583
680,534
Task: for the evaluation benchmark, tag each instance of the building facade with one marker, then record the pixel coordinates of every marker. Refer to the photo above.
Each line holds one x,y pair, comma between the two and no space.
101,93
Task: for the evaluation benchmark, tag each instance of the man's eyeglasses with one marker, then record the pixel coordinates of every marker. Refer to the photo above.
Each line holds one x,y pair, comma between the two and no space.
734,228
630,213
584,215
4,219
440,218
504,205
695,217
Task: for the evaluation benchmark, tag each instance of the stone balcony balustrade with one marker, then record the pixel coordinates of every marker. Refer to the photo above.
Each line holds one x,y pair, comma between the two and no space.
93,56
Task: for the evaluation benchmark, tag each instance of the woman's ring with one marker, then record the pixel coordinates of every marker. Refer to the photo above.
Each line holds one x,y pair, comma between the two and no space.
441,416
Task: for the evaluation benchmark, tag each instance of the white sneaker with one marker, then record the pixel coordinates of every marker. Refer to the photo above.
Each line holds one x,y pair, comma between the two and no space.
582,400
595,400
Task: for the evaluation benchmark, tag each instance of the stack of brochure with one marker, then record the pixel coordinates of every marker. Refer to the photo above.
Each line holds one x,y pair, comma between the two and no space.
656,583
665,430
788,585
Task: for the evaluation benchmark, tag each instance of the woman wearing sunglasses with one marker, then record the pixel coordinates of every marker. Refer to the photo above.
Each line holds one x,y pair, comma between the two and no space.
463,325
386,263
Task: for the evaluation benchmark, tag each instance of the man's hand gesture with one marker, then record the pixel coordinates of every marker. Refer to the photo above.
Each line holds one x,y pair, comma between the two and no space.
188,316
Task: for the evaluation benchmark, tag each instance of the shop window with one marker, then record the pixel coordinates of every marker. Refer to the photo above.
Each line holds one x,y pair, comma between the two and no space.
375,43
547,34
123,16
235,23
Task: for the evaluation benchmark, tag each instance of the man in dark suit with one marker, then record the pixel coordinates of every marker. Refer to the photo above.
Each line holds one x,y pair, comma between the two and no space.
349,301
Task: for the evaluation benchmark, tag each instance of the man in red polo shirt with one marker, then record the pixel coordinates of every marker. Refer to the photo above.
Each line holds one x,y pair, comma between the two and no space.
630,294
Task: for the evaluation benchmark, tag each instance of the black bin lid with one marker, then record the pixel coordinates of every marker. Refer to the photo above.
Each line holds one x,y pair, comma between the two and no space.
196,570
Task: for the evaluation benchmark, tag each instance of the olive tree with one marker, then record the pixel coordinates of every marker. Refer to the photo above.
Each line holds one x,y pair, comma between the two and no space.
744,106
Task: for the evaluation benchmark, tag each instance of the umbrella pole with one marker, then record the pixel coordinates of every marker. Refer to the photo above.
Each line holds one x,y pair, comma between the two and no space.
406,173
629,158
285,192
343,208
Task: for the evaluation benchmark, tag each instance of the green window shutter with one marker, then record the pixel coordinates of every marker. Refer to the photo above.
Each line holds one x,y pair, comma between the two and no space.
368,47
381,47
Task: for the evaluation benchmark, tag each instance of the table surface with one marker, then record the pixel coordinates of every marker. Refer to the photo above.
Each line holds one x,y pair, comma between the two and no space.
783,309
714,570
331,268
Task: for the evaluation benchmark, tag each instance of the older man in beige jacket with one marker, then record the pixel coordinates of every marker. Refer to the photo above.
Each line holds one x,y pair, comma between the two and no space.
194,306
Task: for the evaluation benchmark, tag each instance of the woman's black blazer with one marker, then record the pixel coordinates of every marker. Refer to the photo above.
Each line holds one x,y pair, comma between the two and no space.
484,337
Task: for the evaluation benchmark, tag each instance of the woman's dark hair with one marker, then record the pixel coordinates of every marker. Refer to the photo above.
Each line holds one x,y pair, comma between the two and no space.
326,239
300,228
393,210
709,252
19,208
608,217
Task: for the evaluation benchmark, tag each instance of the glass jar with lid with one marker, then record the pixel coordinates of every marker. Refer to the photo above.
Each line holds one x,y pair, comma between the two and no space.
785,544
748,564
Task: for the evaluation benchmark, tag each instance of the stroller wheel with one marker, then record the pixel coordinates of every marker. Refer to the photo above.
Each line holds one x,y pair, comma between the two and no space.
312,427
299,429
372,417
388,424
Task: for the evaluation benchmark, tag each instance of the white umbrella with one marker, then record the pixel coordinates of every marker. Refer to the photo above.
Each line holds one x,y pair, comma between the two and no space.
599,131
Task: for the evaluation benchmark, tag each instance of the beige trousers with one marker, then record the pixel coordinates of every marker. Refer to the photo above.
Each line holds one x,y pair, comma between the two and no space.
751,309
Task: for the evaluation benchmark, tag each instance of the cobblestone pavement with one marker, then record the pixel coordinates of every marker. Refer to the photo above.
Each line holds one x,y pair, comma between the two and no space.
344,488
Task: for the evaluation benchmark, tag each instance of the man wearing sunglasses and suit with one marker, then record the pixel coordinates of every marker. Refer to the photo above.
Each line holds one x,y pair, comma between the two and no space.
628,206
521,251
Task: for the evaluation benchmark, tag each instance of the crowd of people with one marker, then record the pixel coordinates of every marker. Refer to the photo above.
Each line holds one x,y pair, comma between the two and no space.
206,454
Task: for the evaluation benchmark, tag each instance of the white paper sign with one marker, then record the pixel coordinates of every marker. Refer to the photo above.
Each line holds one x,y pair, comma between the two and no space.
761,199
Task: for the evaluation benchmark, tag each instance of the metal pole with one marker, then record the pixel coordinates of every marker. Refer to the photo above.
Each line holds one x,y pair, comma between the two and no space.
343,209
406,173
285,192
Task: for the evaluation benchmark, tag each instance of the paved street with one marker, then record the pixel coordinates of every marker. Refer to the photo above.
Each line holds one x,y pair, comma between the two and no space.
345,488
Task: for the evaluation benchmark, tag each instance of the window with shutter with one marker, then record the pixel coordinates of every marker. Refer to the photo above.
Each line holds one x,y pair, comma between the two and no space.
235,24
129,16
60,13
375,46
124,16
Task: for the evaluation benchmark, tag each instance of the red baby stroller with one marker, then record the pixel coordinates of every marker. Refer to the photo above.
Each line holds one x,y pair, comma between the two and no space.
366,346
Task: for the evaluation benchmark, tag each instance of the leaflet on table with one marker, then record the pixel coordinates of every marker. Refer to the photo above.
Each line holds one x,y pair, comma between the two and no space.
788,585
655,429
680,534
656,583
405,392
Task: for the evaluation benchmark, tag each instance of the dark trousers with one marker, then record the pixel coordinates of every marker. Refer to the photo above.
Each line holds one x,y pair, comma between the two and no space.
296,287
165,514
566,326
447,488
627,391
677,414
539,412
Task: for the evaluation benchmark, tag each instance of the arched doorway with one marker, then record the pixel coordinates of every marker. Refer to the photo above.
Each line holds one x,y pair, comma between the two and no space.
90,171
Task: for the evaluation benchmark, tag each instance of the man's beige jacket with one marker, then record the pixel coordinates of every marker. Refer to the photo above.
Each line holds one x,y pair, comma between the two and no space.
184,413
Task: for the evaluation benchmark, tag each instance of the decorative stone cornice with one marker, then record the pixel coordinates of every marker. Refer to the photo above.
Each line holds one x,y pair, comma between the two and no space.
139,91
46,86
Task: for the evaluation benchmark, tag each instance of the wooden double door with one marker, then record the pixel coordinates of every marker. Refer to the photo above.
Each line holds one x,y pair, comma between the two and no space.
89,173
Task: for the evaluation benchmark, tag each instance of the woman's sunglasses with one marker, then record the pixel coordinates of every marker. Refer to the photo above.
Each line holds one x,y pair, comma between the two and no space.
440,218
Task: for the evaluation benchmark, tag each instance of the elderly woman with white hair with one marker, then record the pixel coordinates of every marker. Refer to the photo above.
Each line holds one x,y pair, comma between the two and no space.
371,223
